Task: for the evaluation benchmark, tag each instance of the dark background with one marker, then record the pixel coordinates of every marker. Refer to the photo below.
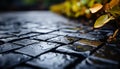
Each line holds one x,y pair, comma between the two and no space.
17,5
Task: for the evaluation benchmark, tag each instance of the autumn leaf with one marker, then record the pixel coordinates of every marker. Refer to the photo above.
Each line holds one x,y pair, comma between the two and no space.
111,4
96,7
102,20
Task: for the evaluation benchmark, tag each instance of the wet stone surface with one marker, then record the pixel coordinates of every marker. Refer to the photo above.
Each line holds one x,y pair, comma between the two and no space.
80,50
9,39
105,58
25,42
37,49
63,39
8,46
88,42
42,39
11,59
52,61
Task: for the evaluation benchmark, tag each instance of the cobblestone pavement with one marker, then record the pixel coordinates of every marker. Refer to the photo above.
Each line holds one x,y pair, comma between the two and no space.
33,40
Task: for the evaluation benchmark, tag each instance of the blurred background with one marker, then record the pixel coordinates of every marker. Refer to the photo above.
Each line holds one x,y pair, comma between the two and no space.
17,5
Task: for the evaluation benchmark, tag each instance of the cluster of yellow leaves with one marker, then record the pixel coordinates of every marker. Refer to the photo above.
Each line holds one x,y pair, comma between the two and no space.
112,11
76,8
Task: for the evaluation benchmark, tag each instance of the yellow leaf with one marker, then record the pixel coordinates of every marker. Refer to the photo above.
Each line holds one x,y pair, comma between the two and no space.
96,7
102,20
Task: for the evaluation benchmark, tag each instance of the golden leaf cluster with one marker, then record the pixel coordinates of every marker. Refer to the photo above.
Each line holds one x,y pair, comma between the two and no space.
76,8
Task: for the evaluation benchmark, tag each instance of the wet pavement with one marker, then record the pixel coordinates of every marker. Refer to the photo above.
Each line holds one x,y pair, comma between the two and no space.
44,40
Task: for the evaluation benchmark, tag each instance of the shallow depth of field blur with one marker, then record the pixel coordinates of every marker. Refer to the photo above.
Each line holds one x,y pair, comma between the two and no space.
13,5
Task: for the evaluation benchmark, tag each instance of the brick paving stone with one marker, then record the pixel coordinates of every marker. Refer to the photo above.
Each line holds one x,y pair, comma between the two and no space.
105,58
63,39
8,46
30,25
37,49
44,37
52,61
86,36
22,32
25,42
80,50
9,39
28,35
93,43
5,35
11,59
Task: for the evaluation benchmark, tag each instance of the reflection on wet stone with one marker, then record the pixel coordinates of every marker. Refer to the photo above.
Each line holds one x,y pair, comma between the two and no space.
88,42
109,53
105,58
52,61
44,37
8,46
25,42
9,39
42,30
69,30
63,39
11,59
37,49
28,35
72,49
86,36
